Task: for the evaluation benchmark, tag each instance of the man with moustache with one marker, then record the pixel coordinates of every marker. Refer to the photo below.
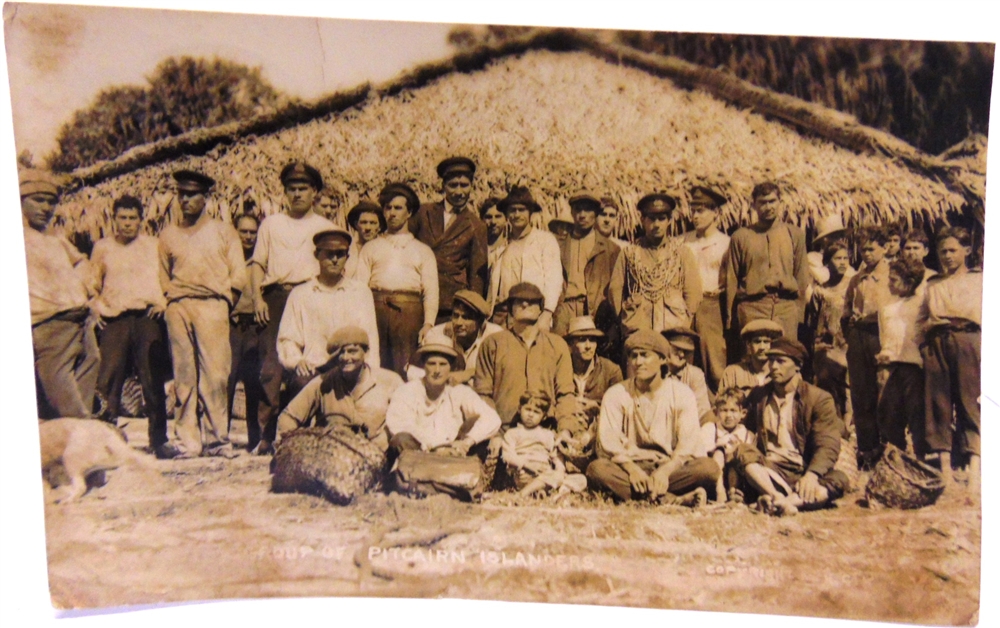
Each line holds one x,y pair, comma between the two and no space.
455,233
751,371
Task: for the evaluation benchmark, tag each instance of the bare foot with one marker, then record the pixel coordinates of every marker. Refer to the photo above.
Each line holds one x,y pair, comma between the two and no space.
695,499
785,508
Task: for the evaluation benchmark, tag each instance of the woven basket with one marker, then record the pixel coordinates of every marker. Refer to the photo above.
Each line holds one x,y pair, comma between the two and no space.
901,481
334,463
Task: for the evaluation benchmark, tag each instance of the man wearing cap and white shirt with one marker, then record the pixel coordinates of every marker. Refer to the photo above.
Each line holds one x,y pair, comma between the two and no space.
649,445
283,259
59,287
455,233
202,272
752,371
532,256
798,438
709,246
353,393
587,261
318,308
465,331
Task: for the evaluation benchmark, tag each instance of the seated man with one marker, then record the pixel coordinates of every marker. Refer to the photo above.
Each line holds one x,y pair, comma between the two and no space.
465,332
798,438
352,393
682,342
752,370
431,415
649,445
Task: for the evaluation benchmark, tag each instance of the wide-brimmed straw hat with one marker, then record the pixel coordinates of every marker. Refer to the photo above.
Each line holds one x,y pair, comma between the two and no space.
583,327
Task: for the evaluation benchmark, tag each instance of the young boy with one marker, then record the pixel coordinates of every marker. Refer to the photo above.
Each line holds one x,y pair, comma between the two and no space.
530,451
721,438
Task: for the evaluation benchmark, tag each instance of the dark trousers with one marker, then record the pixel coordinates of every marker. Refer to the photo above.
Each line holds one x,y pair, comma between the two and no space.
132,340
952,389
831,376
711,355
901,405
244,339
66,365
399,317
835,482
271,371
697,472
862,347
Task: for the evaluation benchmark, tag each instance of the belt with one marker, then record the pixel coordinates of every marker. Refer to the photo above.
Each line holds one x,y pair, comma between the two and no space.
965,326
399,295
712,294
786,295
581,297
125,314
287,287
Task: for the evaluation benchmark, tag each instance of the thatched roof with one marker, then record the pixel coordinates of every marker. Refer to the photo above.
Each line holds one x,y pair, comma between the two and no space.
559,111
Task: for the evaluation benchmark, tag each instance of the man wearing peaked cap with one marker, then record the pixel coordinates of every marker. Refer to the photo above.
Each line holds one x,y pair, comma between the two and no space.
708,245
532,255
655,282
587,261
648,440
66,354
351,393
752,370
193,181
456,234
283,259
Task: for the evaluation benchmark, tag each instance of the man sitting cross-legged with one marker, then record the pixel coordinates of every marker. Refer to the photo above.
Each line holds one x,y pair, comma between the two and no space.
648,441
798,438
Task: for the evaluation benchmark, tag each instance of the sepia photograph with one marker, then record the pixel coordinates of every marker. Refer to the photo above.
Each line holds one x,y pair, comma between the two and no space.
601,316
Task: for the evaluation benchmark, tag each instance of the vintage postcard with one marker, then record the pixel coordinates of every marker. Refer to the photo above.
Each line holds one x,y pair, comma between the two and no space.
595,315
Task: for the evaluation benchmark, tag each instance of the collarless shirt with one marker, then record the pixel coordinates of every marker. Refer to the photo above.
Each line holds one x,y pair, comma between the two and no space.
954,298
534,258
708,252
741,376
899,330
285,249
201,261
400,262
778,416
694,378
436,422
56,275
127,274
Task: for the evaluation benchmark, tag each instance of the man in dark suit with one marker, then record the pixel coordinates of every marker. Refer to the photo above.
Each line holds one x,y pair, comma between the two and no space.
455,233
587,259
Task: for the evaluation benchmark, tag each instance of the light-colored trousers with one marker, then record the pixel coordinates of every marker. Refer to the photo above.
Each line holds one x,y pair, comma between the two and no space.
199,344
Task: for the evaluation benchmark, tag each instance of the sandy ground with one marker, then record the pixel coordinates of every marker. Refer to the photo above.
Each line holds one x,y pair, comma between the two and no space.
210,529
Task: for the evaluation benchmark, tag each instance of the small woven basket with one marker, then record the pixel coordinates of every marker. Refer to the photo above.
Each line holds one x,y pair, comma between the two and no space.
332,462
901,481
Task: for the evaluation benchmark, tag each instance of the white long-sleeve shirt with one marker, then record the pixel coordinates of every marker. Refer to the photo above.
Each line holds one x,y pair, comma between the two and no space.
435,423
400,262
314,311
285,248
899,331
532,258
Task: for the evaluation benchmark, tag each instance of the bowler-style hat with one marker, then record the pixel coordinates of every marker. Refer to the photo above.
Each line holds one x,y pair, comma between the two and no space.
456,166
302,172
326,239
762,327
362,207
193,181
649,340
681,337
583,327
788,348
702,196
519,195
656,204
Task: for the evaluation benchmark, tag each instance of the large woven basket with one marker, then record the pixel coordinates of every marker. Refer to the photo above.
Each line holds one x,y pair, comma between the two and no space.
901,481
334,463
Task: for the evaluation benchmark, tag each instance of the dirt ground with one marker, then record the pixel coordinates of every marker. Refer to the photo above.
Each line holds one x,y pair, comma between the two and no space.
210,529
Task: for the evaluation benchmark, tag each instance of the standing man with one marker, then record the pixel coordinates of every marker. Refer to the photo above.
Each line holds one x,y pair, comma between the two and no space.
368,223
587,261
455,233
607,221
244,339
129,311
202,272
282,260
402,274
66,355
532,256
709,246
766,270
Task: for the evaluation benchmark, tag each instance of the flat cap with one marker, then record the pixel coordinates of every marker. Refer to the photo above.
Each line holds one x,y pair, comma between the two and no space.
762,327
302,172
324,239
649,340
681,337
657,203
585,201
702,196
193,180
349,335
362,207
34,181
393,190
788,348
519,195
456,166
473,300
525,291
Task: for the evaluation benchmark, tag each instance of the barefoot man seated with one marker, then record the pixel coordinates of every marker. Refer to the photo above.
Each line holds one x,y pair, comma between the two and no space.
649,444
798,438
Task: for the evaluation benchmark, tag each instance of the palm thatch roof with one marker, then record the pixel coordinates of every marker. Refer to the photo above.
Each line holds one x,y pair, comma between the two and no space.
559,111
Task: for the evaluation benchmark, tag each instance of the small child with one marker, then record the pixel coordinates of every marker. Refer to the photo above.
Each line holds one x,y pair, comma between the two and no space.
721,438
530,451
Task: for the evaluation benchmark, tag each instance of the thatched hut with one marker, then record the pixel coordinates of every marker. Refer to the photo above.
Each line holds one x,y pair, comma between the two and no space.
558,111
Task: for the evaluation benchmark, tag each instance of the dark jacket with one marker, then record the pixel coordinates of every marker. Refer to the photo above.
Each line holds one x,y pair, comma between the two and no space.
816,428
460,250
597,271
605,375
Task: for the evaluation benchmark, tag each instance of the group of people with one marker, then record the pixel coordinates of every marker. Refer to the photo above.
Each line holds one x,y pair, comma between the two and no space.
663,368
